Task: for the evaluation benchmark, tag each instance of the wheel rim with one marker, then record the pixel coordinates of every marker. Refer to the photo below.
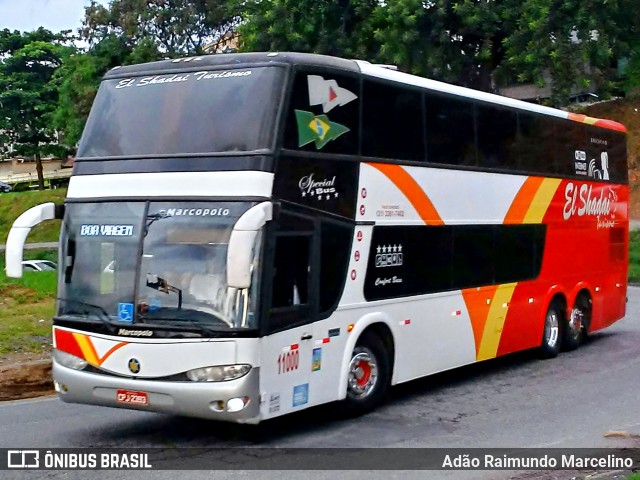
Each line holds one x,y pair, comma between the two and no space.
363,374
551,329
576,322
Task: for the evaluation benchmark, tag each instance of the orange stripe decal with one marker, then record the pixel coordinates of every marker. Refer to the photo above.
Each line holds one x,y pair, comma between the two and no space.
522,201
89,352
111,350
478,301
412,190
598,122
495,321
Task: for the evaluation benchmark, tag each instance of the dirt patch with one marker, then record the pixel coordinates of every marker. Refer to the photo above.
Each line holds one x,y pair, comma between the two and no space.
634,205
25,376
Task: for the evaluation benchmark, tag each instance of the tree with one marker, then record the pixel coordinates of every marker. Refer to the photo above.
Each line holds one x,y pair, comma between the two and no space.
331,27
475,43
171,27
78,79
27,95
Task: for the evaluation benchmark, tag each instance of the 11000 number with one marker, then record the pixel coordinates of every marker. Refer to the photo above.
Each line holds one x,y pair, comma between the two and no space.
288,361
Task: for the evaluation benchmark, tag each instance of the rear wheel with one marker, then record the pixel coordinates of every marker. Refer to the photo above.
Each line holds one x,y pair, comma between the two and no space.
551,339
577,325
368,374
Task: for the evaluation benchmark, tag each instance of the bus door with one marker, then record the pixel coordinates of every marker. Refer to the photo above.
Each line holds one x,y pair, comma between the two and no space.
288,346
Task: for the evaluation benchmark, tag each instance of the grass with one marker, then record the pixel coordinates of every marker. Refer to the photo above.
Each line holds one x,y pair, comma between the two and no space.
634,256
26,307
14,203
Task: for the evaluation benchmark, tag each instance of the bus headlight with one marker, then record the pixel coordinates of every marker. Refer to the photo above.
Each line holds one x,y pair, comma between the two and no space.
70,361
218,374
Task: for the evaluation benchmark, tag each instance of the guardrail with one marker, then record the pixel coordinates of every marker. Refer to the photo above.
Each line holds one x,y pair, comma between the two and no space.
16,178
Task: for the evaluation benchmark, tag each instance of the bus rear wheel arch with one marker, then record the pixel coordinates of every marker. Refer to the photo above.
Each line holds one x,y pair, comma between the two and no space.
369,372
578,321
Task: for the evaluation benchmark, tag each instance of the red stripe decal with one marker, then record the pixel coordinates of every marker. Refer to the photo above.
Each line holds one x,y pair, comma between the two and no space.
66,342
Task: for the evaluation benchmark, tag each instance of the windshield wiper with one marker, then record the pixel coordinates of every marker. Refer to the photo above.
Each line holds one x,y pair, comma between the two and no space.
102,315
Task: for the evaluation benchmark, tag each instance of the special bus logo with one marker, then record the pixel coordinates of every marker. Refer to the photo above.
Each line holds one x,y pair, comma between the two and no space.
581,201
389,256
319,189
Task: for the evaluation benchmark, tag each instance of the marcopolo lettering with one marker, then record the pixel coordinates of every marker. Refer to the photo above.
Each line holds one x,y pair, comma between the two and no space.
195,212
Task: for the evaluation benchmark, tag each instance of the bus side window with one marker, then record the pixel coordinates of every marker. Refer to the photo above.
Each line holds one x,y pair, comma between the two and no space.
450,130
392,121
291,271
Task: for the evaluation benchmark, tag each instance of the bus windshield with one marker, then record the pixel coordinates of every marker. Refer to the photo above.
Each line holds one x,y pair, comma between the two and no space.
184,113
153,263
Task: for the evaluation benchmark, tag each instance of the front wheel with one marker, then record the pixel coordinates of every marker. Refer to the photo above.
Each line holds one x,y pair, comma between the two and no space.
551,338
368,374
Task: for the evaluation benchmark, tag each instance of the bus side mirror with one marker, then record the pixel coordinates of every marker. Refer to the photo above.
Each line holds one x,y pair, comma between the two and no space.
19,231
242,243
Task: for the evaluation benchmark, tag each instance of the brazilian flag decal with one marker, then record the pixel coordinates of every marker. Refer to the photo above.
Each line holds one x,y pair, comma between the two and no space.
317,129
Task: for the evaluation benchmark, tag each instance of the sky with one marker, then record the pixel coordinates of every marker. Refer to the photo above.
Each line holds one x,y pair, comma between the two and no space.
54,15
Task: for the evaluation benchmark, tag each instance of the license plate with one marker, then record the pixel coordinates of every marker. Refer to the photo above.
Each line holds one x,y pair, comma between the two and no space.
132,398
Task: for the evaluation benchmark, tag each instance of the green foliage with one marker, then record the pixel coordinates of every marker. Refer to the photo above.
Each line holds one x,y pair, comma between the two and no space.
331,27
632,73
634,256
28,97
475,43
155,28
14,204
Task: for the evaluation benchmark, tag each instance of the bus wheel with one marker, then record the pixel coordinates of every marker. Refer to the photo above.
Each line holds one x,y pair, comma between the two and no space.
551,335
577,325
368,374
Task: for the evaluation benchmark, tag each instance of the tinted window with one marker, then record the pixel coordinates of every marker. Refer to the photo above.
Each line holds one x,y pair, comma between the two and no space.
392,122
450,130
197,112
473,256
497,130
417,260
571,144
335,247
323,113
606,154
291,281
518,252
535,150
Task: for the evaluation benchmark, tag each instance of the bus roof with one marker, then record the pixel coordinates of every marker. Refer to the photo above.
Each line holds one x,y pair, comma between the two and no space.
236,60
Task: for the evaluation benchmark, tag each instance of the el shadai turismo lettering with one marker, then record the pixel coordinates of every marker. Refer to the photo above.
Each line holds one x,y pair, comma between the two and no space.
581,201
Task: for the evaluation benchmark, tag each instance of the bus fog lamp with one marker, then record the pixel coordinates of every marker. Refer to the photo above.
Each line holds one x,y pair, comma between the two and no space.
222,373
237,404
70,361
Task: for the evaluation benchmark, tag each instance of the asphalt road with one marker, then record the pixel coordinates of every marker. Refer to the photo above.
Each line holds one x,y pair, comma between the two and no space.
517,401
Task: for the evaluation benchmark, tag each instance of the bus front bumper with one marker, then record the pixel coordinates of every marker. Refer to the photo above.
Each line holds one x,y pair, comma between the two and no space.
192,399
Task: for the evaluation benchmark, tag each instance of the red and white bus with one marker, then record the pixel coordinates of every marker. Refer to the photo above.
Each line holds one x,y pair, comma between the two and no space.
250,235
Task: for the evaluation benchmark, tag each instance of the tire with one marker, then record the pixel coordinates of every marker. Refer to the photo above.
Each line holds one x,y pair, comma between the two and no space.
552,332
368,375
577,325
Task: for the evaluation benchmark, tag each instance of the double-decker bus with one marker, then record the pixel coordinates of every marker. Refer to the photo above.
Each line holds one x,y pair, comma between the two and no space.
250,235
